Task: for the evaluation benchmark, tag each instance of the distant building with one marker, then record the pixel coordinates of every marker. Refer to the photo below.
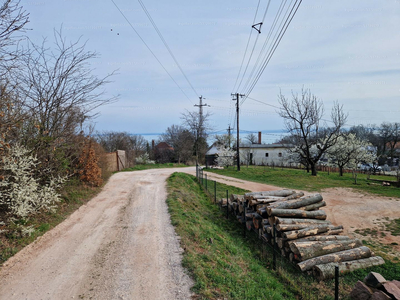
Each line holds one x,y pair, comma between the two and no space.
164,153
211,155
264,154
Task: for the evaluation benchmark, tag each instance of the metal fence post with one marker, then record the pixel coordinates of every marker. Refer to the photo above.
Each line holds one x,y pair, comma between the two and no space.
244,221
274,249
215,191
206,183
337,282
227,208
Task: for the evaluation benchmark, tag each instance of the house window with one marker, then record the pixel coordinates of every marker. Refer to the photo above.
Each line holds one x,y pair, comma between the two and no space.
280,154
266,154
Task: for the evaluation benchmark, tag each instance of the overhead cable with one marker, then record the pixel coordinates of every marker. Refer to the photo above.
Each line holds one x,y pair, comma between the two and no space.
147,46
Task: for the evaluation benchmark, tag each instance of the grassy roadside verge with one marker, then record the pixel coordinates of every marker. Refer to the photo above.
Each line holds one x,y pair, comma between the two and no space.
223,264
300,180
74,195
154,166
214,245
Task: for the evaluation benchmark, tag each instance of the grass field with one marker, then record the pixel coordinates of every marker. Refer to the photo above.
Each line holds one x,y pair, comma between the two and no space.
301,180
227,265
154,166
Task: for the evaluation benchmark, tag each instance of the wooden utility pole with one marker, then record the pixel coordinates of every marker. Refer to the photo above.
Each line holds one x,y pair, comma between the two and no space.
229,136
237,128
200,128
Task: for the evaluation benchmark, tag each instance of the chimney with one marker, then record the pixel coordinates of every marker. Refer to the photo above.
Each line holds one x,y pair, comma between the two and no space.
259,137
152,144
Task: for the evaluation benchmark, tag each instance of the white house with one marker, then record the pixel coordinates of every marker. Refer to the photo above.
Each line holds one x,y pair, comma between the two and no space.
265,154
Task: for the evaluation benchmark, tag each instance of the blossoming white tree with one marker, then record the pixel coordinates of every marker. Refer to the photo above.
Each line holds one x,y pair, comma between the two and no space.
225,157
349,151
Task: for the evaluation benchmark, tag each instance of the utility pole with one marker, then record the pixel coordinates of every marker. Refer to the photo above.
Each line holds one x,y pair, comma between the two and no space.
200,128
237,127
229,136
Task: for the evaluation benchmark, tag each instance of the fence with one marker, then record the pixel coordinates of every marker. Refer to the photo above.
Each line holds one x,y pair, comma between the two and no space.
270,253
116,161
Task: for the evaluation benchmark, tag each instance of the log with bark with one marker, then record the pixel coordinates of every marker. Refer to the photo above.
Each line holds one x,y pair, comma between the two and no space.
327,271
303,201
257,221
279,193
308,231
314,206
279,220
310,249
321,238
289,227
297,213
346,255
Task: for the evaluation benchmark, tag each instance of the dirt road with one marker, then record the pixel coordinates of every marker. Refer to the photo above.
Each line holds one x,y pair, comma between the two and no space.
121,245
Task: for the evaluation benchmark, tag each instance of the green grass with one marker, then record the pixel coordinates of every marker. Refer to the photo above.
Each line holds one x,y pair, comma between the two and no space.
394,227
223,264
154,166
215,247
301,180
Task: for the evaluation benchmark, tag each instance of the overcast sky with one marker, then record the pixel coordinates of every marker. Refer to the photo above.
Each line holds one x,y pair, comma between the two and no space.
343,50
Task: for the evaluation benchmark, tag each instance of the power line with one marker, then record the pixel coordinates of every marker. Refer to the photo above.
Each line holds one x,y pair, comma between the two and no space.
277,41
248,42
263,102
155,56
277,16
165,44
254,46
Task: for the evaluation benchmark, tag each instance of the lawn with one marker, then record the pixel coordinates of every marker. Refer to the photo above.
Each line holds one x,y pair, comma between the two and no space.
301,180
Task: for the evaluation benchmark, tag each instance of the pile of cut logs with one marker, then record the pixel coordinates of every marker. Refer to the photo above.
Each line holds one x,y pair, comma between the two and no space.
300,230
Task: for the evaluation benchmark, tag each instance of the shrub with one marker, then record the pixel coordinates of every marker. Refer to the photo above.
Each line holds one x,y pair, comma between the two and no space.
21,194
144,160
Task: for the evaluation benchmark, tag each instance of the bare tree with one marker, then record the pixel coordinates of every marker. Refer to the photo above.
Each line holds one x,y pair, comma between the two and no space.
12,21
182,140
133,145
312,136
198,124
251,138
59,92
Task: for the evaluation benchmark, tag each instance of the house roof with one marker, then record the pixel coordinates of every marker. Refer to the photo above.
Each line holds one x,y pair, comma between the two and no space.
163,145
213,150
266,146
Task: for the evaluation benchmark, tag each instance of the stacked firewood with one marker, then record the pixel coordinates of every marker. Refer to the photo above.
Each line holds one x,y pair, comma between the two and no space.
301,231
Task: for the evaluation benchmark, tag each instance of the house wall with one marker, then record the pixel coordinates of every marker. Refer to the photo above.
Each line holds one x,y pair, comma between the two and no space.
259,157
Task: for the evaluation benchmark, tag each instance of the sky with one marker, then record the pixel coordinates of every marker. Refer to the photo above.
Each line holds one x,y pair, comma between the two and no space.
345,51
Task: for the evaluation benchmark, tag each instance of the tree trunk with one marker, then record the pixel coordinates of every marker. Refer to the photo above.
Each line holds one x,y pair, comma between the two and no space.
314,206
279,193
307,250
340,170
290,227
346,255
311,230
300,221
321,238
297,213
313,169
304,201
327,271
